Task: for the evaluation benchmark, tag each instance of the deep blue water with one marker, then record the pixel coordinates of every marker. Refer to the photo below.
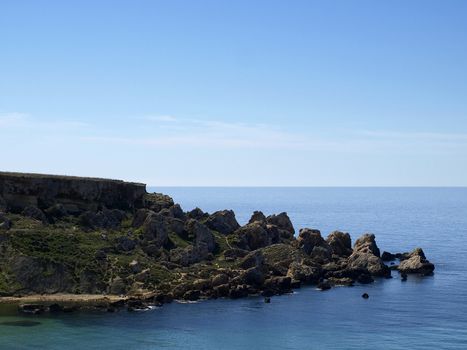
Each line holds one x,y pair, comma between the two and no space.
422,313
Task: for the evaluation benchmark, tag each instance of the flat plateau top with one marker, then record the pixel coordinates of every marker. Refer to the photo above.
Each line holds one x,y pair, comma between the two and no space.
64,177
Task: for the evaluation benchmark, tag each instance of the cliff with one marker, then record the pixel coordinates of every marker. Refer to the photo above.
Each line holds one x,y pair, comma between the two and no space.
61,234
76,194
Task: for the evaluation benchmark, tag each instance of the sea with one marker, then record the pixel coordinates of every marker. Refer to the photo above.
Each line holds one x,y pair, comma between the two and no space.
421,313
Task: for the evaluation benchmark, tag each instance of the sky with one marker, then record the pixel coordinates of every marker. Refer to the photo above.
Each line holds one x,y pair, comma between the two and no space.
236,93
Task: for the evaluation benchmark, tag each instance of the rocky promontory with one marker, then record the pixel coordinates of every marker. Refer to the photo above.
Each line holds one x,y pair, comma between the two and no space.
87,236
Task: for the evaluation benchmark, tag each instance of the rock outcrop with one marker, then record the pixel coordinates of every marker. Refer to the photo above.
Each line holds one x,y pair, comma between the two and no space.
84,235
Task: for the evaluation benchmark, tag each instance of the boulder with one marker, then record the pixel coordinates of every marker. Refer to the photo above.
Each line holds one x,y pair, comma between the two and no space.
157,201
416,263
253,259
125,244
367,244
219,279
201,235
56,211
253,276
304,273
118,286
34,213
255,235
367,261
282,221
309,239
189,255
155,229
340,243
223,221
277,285
104,219
197,214
324,285
140,217
257,216
386,256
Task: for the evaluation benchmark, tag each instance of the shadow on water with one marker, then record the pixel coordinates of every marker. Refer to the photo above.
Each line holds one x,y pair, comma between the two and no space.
20,323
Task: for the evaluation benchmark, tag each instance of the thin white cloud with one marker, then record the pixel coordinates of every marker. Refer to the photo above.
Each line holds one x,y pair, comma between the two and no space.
416,136
17,120
161,118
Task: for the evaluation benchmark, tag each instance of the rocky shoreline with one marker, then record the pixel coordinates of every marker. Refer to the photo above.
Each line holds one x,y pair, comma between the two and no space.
122,247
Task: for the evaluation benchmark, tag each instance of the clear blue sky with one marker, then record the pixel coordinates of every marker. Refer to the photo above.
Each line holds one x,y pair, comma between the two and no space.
338,93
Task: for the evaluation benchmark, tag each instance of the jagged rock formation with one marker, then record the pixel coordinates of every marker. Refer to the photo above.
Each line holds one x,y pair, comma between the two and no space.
83,235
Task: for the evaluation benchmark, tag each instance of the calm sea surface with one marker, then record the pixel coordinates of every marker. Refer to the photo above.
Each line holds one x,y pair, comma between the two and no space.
422,313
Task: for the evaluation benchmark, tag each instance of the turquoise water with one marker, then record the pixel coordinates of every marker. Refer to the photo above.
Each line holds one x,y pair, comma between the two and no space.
422,313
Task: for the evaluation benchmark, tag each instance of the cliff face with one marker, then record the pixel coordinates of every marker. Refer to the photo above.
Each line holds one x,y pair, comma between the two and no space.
76,194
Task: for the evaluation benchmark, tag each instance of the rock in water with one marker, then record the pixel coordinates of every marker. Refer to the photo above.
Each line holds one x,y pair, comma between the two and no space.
365,296
416,263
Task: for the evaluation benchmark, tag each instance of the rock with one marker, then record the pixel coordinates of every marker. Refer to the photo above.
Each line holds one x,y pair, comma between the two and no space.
367,244
125,244
253,259
370,262
219,279
197,214
257,216
104,219
192,295
324,285
177,212
254,236
140,217
386,256
40,275
235,253
252,276
340,243
311,242
403,277
416,263
189,255
118,286
20,190
155,229
365,296
201,234
56,211
278,284
304,273
157,201
5,223
34,309
34,213
345,281
222,290
239,291
135,266
365,278
282,221
267,300
223,222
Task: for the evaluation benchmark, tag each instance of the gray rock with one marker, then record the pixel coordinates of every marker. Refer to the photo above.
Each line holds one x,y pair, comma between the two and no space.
416,263
340,243
367,244
257,216
223,222
155,229
282,221
34,213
